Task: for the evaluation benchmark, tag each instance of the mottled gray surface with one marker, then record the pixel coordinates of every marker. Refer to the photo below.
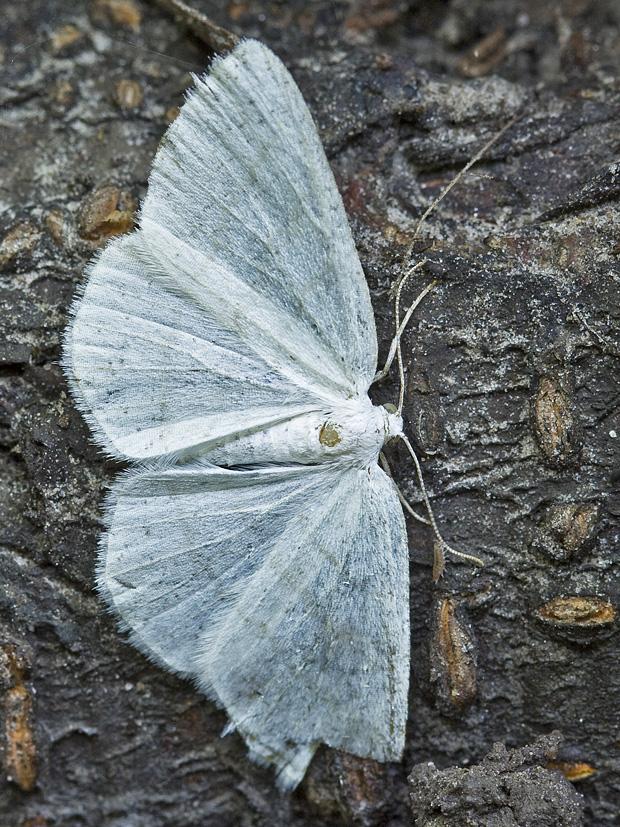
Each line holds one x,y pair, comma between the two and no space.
513,393
509,788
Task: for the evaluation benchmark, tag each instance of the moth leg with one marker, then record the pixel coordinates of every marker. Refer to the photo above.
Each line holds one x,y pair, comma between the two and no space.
440,544
403,500
401,326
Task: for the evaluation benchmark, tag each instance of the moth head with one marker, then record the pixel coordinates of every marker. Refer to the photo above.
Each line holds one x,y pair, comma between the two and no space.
392,422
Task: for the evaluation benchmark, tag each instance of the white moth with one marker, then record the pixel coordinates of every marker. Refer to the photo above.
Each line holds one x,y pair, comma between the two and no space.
226,349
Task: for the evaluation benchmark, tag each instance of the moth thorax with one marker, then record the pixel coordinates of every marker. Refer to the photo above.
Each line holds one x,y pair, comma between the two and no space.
356,430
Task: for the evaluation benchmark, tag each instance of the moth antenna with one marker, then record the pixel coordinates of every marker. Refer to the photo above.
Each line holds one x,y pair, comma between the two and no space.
493,140
409,270
396,352
443,546
404,501
195,67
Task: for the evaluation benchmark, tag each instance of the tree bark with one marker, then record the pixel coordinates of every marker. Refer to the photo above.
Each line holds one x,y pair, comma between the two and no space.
512,395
